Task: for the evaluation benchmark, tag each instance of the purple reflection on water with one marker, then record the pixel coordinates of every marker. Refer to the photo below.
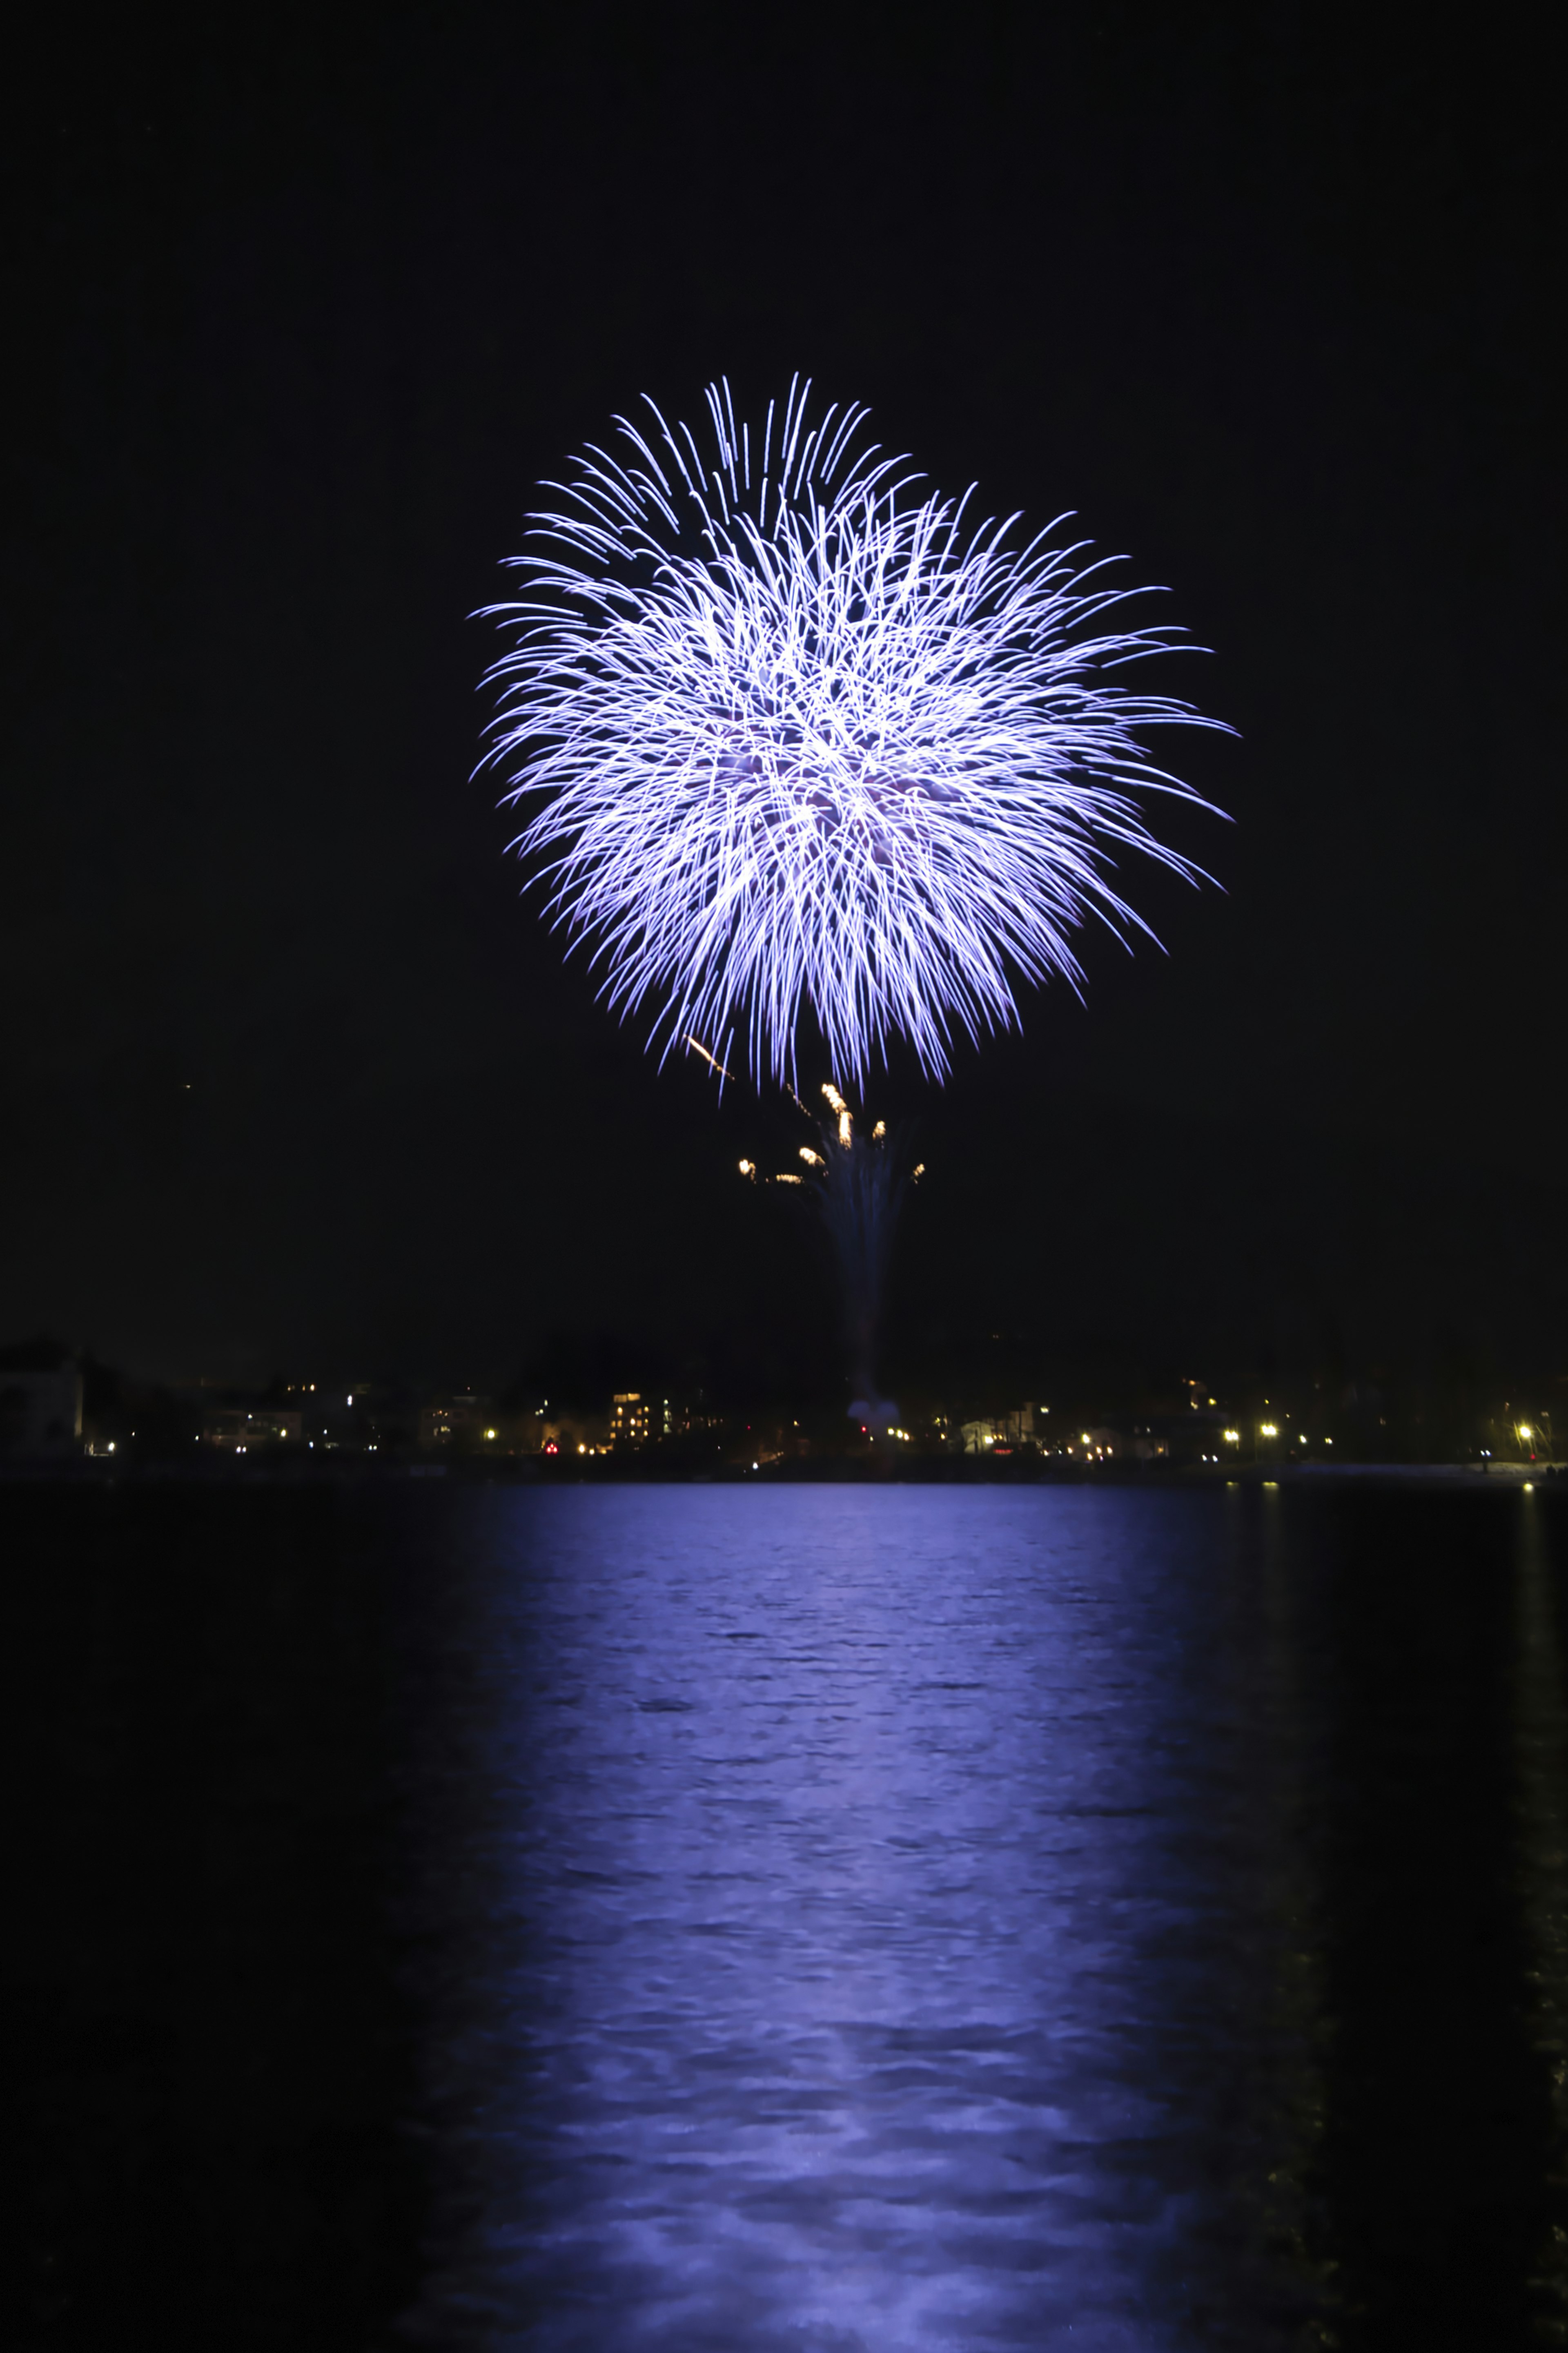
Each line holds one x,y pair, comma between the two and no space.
862,1918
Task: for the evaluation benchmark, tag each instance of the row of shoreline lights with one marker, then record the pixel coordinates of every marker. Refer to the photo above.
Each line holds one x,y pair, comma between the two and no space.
1269,1429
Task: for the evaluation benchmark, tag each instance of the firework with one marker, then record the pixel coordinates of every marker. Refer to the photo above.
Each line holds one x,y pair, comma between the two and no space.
856,1186
806,735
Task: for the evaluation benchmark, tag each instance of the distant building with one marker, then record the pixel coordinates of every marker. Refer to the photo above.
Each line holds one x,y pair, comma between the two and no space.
234,1430
637,1420
631,1420
1194,1435
465,1420
40,1415
671,1418
1023,1426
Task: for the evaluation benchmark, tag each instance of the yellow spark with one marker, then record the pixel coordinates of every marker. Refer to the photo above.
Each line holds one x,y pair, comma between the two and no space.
784,1177
815,1159
879,1130
748,1168
834,1099
844,1129
710,1059
917,1172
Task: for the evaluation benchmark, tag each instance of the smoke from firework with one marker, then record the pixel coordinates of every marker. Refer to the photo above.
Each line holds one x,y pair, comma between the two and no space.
856,1183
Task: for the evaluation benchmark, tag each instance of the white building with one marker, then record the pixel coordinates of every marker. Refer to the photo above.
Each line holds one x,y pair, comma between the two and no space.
1025,1426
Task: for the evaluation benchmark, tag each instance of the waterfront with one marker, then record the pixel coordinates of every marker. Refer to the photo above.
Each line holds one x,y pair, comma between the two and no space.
825,1917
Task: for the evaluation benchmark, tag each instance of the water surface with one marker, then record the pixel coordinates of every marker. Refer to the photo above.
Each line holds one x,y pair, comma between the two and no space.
815,1918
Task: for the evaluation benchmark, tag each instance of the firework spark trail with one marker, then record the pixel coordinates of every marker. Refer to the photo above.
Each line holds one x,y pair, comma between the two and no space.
807,737
712,1062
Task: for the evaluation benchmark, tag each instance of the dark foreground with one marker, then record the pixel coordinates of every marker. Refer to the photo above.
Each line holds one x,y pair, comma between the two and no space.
831,1919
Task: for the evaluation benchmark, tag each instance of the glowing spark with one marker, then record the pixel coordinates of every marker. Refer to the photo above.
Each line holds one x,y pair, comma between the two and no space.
806,737
879,1130
711,1060
834,1099
917,1172
786,1176
748,1168
814,1158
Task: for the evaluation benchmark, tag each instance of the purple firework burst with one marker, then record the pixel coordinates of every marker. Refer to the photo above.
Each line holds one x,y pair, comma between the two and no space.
806,737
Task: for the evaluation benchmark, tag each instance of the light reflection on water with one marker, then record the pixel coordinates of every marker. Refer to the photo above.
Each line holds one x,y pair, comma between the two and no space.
1541,1735
871,1920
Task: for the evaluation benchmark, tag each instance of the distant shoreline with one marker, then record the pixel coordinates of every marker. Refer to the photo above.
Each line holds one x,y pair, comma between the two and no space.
957,1470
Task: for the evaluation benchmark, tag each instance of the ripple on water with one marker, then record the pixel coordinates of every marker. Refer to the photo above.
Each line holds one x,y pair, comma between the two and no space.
865,1921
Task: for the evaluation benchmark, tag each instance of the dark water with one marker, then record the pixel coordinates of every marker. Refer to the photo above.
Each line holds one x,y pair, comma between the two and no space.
817,1918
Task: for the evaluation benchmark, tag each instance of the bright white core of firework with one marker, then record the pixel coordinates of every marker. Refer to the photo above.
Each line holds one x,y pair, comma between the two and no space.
807,737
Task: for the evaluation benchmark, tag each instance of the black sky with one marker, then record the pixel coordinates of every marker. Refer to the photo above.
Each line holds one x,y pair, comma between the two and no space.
304,309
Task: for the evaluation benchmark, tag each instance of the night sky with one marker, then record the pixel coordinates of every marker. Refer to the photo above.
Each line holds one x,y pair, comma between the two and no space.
300,313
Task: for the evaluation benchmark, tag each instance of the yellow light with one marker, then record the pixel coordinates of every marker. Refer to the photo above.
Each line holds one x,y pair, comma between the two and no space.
834,1099
1524,1430
1087,1439
747,1168
917,1170
784,1177
1233,1438
582,1449
708,1058
813,1160
879,1130
1270,1429
489,1433
844,1129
